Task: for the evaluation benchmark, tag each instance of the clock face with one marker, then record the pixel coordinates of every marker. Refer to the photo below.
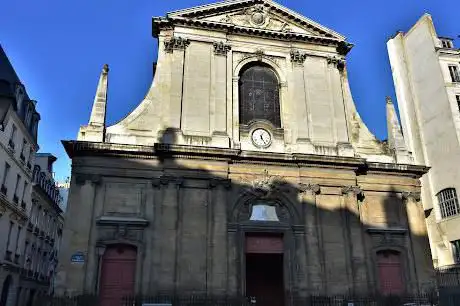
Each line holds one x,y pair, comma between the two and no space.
261,138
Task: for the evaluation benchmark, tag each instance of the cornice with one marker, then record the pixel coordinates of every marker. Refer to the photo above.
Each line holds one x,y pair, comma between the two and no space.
159,151
159,24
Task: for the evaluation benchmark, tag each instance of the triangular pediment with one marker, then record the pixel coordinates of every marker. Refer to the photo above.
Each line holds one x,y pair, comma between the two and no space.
260,14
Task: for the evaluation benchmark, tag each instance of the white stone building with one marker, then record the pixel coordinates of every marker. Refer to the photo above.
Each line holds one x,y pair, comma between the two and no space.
426,74
18,144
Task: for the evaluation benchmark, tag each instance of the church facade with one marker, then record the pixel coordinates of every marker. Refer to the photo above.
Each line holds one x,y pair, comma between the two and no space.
246,170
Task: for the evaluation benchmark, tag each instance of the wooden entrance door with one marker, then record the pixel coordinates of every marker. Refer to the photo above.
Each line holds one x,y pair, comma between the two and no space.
118,274
390,271
265,269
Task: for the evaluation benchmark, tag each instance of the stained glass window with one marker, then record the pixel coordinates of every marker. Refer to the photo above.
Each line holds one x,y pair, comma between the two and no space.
259,95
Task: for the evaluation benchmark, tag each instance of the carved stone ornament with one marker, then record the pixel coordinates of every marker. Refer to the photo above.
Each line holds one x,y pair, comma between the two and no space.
298,57
266,186
311,188
411,196
176,43
259,54
355,190
337,62
220,48
122,231
258,15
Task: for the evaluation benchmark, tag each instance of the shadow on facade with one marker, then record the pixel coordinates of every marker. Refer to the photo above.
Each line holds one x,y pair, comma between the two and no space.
216,224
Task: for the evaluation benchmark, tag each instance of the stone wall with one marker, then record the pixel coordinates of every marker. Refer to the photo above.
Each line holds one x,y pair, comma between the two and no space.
188,219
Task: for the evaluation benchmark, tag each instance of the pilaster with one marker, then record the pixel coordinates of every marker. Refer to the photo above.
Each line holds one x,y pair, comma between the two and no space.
355,238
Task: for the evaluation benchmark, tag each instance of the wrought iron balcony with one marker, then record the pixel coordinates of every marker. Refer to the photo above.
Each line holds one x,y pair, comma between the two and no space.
47,184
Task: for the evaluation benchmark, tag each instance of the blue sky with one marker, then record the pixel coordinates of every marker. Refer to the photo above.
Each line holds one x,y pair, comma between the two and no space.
59,47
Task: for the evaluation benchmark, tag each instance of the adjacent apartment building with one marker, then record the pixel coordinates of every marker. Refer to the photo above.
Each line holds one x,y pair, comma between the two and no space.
26,264
426,73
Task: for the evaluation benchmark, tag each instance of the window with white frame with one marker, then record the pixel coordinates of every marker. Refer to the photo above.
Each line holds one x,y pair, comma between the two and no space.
454,73
448,202
456,251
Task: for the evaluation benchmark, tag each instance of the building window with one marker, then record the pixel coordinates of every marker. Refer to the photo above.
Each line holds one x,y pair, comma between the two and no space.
24,190
259,95
24,144
16,187
457,97
12,136
4,190
447,43
10,229
454,74
18,234
456,251
448,202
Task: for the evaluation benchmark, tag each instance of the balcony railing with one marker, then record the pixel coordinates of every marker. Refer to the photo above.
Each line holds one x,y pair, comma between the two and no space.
47,184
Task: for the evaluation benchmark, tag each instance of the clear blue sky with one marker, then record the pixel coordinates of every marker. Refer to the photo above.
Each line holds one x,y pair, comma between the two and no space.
58,48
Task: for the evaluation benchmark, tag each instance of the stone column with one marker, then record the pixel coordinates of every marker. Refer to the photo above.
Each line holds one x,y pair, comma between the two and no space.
315,272
422,277
355,236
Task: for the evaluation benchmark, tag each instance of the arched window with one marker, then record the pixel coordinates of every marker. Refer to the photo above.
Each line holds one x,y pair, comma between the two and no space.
448,202
259,95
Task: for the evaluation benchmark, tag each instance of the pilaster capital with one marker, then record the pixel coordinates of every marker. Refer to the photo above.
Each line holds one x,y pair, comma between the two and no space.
176,43
221,48
411,196
352,190
337,62
298,57
309,188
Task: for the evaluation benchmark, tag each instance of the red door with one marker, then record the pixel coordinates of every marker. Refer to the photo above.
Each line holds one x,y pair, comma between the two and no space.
117,274
390,272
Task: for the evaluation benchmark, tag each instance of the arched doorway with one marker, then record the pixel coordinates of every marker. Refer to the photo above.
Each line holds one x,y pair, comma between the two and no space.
5,290
118,274
390,272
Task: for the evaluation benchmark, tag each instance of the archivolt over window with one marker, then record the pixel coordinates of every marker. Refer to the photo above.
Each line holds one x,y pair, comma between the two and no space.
259,95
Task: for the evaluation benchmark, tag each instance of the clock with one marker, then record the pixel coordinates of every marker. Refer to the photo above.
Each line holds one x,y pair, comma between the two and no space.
261,138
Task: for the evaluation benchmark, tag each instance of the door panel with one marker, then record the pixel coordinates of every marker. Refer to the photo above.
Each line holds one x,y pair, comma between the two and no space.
118,274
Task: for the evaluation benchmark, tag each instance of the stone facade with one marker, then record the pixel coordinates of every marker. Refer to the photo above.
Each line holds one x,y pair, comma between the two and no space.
181,178
421,62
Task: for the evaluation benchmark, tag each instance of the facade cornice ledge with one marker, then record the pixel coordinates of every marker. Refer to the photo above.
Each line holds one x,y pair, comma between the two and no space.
84,148
387,230
416,170
159,23
116,220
